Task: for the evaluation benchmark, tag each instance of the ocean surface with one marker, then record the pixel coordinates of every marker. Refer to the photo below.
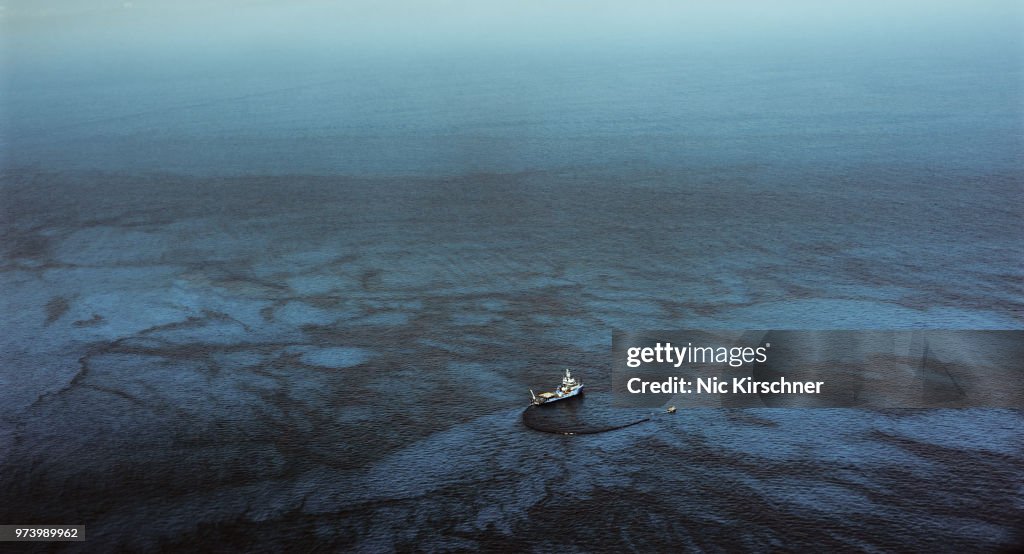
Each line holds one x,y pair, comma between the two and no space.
264,306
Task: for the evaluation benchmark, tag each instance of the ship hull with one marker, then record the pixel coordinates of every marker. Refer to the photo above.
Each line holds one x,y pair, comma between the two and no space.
556,397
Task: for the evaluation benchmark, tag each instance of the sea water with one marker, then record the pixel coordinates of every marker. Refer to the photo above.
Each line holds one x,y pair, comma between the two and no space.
271,302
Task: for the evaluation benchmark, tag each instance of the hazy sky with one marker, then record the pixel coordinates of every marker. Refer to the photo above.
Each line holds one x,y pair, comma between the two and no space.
159,75
508,20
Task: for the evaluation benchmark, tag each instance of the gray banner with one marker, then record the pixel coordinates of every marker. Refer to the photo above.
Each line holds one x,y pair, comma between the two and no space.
40,533
827,369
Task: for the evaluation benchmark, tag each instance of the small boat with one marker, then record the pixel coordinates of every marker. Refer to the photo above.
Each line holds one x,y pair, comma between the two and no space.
570,387
671,410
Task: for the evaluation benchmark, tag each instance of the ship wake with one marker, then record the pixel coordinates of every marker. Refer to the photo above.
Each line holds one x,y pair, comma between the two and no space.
585,415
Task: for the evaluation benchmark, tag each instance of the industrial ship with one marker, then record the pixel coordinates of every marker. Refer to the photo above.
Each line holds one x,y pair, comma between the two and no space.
570,387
